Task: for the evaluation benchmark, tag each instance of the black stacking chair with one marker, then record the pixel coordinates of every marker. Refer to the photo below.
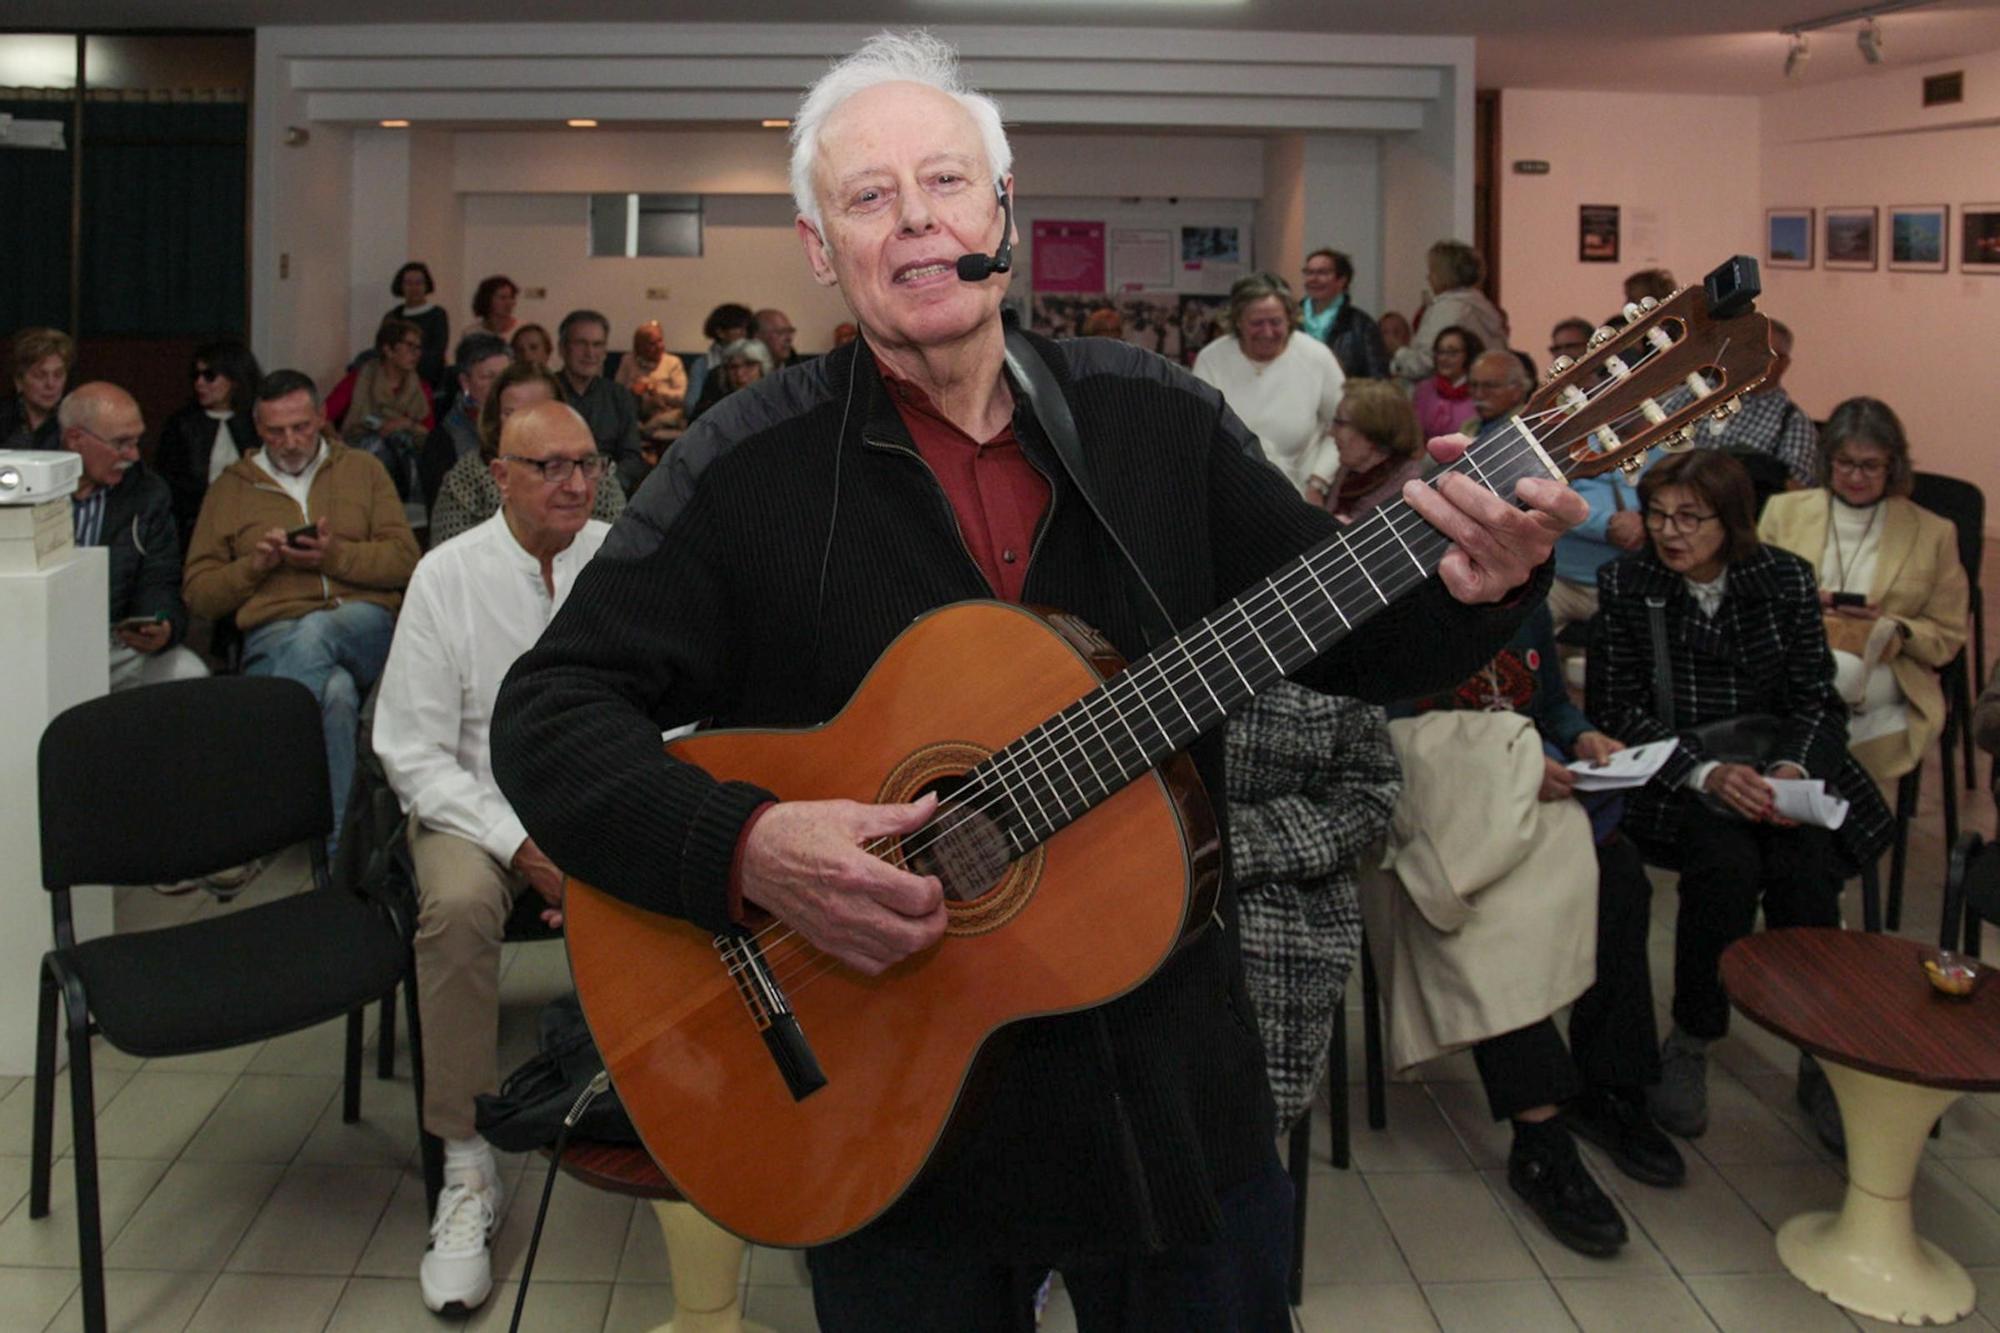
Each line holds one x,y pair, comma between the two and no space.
167,782
1965,505
1971,893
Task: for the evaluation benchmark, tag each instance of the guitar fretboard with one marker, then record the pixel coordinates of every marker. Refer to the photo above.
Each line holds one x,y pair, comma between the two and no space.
1193,682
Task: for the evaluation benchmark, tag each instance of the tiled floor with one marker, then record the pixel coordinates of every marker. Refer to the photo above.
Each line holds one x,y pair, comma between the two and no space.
235,1199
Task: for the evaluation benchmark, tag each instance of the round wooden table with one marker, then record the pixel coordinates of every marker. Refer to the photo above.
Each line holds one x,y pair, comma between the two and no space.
1897,1054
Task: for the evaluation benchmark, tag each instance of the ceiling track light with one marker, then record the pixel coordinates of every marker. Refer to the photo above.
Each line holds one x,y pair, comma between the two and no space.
1795,59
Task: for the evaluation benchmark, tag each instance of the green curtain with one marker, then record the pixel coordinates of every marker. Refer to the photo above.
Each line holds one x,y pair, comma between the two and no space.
34,254
163,218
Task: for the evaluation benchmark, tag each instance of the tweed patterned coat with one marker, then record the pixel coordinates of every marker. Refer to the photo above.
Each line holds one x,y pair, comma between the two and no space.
1763,652
1311,783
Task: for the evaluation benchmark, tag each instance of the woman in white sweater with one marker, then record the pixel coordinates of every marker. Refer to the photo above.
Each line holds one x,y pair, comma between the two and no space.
1287,389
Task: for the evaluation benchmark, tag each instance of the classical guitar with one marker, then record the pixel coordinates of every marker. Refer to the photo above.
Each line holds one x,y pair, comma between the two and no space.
792,1099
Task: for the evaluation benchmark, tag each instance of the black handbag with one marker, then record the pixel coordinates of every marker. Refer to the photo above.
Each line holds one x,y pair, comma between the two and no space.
527,1113
1747,738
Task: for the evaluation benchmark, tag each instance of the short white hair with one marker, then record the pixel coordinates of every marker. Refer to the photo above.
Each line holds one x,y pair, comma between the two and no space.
889,57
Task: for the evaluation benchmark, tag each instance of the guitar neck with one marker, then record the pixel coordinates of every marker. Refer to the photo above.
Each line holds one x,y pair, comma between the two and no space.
1194,681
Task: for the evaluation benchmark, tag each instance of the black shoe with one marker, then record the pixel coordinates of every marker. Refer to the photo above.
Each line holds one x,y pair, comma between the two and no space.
1546,1172
1816,1099
1620,1127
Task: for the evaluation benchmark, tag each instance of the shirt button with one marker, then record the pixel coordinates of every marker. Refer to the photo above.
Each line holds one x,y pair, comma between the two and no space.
1008,555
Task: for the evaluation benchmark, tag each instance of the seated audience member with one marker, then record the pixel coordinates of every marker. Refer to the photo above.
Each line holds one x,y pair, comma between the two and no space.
474,606
1499,386
210,433
123,506
1986,715
1329,314
1455,271
774,328
469,496
493,305
1444,399
1657,283
388,412
1596,1087
1312,783
1380,447
1104,322
1395,332
727,323
844,333
1571,338
738,365
658,380
533,346
1891,586
1613,529
1770,422
479,359
1743,636
1285,387
305,543
414,286
42,362
583,340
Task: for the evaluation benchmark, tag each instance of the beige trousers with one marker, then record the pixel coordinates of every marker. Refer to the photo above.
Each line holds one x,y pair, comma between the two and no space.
463,899
1570,602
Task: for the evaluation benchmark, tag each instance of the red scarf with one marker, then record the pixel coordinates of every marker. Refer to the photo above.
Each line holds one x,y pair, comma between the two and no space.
1450,392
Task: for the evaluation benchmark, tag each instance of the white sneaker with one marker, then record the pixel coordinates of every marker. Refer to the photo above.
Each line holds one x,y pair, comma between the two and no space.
457,1271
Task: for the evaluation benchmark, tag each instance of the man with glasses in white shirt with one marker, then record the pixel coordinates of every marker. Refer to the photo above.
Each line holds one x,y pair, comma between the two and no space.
474,605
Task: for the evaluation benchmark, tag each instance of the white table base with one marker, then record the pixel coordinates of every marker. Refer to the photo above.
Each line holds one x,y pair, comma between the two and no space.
1868,1256
706,1264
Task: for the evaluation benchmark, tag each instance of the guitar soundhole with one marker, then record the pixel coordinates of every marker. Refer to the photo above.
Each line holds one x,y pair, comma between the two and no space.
967,851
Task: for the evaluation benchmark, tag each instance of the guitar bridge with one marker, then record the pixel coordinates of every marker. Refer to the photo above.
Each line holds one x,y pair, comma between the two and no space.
772,1013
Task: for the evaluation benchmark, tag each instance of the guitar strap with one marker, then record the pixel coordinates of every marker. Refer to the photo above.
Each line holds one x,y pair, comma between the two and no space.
1051,412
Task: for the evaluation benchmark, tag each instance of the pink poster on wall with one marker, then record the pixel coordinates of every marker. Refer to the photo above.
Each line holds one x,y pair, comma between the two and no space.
1069,256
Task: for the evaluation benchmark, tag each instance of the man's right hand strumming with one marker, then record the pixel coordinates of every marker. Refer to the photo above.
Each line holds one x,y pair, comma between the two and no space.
804,863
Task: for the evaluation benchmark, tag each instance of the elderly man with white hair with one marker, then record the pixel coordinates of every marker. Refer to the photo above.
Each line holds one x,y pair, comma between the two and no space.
792,534
125,507
474,605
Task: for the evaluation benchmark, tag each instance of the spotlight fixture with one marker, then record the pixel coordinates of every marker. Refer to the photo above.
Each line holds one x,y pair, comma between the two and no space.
581,124
1795,59
776,124
395,124
1869,39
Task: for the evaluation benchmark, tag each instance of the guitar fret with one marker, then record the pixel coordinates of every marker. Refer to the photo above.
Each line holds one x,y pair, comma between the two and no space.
1182,641
1213,634
1356,558
1240,611
1287,606
1307,565
1390,520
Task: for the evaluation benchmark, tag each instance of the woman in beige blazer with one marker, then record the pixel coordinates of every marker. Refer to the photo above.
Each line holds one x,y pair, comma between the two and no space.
1866,538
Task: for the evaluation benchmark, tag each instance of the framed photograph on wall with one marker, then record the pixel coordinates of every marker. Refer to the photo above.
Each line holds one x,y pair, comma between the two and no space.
1919,237
1597,233
1788,237
1979,238
1850,238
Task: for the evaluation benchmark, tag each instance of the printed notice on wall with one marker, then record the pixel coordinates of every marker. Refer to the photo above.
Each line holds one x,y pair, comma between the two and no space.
1142,259
1069,256
1211,258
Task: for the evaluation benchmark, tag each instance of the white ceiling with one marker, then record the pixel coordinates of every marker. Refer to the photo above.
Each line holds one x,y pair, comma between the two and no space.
1712,46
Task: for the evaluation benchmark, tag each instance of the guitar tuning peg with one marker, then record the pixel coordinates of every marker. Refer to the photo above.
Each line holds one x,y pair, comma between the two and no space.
1559,365
1648,303
1719,415
1634,463
1734,405
1632,312
1604,334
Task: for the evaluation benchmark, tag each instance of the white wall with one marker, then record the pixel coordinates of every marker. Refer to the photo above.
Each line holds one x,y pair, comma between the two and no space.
1919,341
1426,191
1682,170
299,230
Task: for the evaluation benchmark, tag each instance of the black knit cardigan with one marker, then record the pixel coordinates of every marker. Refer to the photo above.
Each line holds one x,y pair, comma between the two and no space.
1113,1130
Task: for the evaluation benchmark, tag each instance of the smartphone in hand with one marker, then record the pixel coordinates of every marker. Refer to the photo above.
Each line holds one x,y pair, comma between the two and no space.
1850,599
136,623
293,537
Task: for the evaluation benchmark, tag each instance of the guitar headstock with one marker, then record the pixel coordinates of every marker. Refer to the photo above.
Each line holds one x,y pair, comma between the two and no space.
1652,380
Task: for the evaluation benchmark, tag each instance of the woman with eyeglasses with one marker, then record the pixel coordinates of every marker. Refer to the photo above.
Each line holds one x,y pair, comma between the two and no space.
1739,627
469,494
42,362
210,433
1444,397
413,288
1891,586
1286,388
389,412
1380,447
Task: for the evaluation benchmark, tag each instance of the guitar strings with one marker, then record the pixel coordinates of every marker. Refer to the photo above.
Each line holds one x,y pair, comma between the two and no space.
1371,545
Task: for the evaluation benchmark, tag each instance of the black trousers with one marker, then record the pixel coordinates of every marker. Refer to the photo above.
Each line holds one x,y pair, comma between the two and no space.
1234,1284
1613,1042
1727,866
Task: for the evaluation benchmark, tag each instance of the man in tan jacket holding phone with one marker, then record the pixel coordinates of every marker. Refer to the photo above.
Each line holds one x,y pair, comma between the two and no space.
305,543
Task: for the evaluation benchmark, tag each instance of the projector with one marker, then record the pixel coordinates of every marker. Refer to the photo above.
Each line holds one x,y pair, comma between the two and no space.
32,476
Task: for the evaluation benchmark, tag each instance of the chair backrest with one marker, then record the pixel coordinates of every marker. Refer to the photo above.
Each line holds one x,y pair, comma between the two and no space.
1768,474
1971,892
167,782
1965,505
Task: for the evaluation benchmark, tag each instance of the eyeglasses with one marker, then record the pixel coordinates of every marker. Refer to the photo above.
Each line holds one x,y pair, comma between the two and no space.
409,346
556,471
1683,521
1489,386
1568,347
206,373
1861,467
1343,421
1316,272
123,445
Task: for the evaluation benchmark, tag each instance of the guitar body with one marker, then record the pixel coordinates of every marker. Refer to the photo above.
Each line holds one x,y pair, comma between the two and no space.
1082,918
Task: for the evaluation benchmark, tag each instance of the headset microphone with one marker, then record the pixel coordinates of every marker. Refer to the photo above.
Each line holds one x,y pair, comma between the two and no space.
978,268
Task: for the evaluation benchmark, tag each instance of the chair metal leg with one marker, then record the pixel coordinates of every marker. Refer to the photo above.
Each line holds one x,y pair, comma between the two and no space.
1871,898
432,1146
350,1093
43,1152
1300,1165
1371,1029
1951,812
83,1149
1336,1087
1907,793
385,1052
1965,720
